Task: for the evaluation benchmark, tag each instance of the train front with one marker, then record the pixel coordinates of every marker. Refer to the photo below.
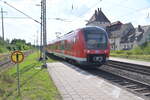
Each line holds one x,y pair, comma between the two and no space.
97,46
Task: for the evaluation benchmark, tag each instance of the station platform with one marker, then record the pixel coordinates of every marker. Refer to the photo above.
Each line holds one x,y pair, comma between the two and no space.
130,61
76,84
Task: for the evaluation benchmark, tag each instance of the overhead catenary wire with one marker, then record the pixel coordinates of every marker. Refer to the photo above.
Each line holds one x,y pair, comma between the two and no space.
27,16
21,12
71,20
16,17
134,10
61,19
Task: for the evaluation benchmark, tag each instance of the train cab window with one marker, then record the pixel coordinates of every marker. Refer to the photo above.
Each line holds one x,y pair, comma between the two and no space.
95,38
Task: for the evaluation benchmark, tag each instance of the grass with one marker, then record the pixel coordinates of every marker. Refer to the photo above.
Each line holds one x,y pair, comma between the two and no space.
141,52
3,49
132,56
36,84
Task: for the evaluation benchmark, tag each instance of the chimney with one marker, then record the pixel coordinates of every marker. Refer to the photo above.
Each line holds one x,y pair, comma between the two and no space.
139,28
100,9
95,12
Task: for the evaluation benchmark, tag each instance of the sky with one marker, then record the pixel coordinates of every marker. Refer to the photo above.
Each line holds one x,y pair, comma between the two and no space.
75,13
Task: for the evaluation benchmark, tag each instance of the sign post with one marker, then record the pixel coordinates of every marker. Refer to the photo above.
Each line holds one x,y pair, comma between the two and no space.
18,80
17,57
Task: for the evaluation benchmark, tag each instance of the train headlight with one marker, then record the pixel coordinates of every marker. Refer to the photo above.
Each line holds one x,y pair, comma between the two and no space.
88,51
105,51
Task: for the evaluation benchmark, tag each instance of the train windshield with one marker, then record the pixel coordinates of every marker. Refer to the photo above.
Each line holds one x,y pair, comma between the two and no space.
95,39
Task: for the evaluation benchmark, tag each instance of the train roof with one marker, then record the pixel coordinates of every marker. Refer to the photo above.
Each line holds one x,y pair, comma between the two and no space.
93,28
84,29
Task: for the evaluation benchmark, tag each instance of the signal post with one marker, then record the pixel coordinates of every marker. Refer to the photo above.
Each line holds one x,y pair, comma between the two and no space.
17,57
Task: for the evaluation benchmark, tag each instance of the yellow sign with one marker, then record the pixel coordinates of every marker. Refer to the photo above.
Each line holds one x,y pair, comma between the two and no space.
17,57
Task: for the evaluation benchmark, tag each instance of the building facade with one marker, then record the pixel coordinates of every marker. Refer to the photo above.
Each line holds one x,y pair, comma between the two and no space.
122,36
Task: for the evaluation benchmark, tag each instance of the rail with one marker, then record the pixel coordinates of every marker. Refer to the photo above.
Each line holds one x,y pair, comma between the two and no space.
132,77
137,72
5,60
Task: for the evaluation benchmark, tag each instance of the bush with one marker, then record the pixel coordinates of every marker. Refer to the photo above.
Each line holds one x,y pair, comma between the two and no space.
16,44
137,50
140,52
3,49
118,51
128,53
25,47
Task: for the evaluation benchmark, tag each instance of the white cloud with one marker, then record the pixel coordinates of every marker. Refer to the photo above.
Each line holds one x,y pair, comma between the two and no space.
123,10
24,29
142,17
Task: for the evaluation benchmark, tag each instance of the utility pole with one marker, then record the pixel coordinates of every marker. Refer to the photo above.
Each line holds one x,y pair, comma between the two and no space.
37,39
2,17
41,43
41,33
44,31
34,42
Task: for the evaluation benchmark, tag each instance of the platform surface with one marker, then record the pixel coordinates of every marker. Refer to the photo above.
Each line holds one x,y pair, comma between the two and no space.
76,84
130,61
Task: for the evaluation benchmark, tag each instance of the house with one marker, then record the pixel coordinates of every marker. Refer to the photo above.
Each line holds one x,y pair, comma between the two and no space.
98,19
116,34
122,36
140,35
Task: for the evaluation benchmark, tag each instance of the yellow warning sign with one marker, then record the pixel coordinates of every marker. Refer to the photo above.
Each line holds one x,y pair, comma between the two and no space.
17,57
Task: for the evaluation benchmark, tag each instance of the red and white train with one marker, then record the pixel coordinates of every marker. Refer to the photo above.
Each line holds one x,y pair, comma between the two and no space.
86,46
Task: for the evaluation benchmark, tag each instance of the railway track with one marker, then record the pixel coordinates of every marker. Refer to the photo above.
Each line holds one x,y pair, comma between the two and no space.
135,78
133,86
132,77
5,60
130,67
135,72
123,80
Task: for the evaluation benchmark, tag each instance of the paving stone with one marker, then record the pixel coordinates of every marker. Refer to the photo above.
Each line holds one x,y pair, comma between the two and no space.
66,96
67,99
76,97
76,84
